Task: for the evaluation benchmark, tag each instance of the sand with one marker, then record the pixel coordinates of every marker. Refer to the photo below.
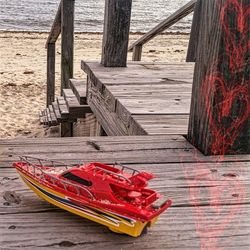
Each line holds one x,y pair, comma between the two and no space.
23,73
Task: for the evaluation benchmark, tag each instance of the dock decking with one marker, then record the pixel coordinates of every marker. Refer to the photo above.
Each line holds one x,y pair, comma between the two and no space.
143,98
210,196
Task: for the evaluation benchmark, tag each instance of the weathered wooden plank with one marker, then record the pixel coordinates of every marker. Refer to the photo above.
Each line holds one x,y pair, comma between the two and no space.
137,52
163,124
49,120
93,236
54,121
105,140
79,89
210,196
158,149
175,104
51,57
150,89
175,17
56,111
116,33
62,107
194,36
139,72
177,186
85,126
75,109
109,120
56,27
67,43
219,117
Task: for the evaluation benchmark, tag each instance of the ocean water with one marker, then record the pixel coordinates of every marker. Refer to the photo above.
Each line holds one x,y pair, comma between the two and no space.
38,15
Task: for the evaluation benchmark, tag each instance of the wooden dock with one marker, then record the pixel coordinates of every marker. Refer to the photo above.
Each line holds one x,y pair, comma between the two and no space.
144,108
210,196
143,98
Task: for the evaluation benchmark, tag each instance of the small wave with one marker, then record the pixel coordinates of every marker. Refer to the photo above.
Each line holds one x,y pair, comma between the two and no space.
38,15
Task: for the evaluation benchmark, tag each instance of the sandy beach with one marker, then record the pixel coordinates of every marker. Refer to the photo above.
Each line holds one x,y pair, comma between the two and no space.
23,73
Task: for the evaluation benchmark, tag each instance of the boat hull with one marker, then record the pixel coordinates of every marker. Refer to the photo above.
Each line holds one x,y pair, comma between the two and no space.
115,222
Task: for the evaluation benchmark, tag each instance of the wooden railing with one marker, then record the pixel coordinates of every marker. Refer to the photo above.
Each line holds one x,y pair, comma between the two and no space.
136,47
30,166
115,39
63,24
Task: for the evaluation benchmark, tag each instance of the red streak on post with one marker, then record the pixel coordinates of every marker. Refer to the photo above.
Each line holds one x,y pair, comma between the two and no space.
226,82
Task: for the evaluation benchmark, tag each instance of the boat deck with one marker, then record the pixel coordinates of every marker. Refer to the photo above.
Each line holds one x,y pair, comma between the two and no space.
144,98
211,208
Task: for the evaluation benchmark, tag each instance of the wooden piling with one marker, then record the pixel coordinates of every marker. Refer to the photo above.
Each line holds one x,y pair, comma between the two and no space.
220,106
116,33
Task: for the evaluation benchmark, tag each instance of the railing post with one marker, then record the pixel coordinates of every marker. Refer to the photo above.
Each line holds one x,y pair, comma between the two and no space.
116,33
137,51
67,44
67,54
220,105
194,36
51,55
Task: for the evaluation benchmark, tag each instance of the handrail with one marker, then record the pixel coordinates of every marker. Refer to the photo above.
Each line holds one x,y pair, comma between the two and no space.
56,27
175,17
63,24
127,168
54,179
59,163
112,173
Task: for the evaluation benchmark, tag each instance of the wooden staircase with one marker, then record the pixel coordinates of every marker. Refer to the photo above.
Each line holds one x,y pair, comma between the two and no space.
67,108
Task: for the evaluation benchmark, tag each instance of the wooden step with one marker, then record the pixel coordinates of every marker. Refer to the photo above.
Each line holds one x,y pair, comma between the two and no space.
48,117
66,116
79,89
74,108
41,117
57,111
54,121
63,109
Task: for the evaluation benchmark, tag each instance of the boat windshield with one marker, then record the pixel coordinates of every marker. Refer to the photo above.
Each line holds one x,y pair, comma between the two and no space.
77,179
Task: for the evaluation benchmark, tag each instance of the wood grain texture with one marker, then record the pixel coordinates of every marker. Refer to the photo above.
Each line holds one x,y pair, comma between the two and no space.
125,99
194,36
79,89
220,106
56,27
87,126
74,108
116,33
171,20
137,52
67,43
25,217
51,58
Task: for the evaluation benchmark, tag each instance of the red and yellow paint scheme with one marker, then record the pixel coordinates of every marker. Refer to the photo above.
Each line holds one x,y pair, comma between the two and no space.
114,196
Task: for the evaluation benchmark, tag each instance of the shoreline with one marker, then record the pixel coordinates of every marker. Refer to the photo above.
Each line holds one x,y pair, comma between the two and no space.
23,72
92,33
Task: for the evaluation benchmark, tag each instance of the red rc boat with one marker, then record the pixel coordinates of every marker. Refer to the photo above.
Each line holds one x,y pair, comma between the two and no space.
115,196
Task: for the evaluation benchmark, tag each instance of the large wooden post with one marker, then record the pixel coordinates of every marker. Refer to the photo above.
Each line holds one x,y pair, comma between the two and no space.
51,55
116,33
67,44
220,106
